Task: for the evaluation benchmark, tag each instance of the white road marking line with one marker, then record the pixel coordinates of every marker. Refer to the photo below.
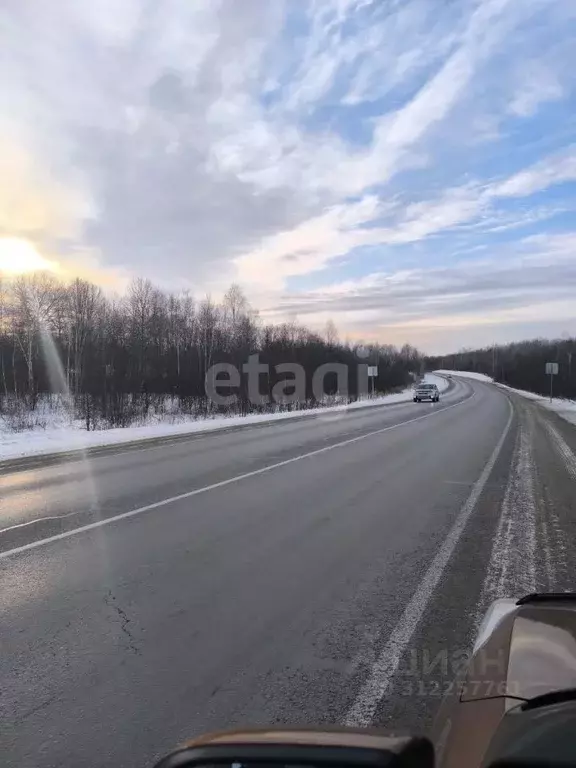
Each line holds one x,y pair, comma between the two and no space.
220,484
41,520
362,711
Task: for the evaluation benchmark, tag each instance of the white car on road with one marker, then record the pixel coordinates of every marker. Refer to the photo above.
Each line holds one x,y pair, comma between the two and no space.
426,391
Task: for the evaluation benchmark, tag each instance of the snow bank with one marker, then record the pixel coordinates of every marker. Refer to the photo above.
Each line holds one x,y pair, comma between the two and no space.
441,381
61,436
466,374
564,408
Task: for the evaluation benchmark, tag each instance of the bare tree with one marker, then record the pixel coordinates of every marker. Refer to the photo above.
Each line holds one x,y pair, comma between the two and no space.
331,333
37,299
3,331
119,356
140,297
84,303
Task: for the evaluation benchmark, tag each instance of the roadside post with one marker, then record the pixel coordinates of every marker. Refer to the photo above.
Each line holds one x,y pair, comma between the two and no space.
372,373
551,370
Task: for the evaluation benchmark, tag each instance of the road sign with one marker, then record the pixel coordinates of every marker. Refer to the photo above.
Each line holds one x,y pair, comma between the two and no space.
551,370
372,374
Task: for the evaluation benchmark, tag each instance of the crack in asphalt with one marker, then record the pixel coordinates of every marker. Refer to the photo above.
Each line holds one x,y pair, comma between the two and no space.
125,620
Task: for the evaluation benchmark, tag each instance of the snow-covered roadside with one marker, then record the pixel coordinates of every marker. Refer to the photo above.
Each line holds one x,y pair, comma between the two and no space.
566,409
72,437
465,374
441,381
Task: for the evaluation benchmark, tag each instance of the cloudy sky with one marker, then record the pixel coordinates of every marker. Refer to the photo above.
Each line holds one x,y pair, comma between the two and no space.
404,167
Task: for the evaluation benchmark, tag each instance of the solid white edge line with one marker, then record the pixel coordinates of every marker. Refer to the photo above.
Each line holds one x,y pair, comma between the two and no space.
376,686
220,484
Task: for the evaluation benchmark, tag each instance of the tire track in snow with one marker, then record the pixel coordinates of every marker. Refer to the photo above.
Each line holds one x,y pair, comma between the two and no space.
553,538
511,569
562,448
563,572
548,547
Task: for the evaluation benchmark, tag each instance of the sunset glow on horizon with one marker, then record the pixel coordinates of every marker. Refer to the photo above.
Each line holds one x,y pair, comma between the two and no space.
20,257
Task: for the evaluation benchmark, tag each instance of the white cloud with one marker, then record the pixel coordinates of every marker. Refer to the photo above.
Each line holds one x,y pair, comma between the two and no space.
554,170
535,280
309,246
208,141
415,37
312,245
541,88
486,26
324,165
32,202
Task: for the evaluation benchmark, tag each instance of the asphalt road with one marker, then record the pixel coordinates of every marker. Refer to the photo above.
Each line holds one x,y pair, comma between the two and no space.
302,572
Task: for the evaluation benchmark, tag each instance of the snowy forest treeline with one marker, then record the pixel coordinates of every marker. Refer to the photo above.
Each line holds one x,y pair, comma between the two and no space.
116,360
